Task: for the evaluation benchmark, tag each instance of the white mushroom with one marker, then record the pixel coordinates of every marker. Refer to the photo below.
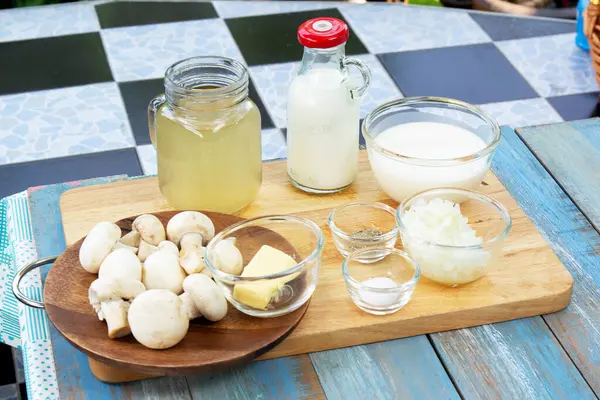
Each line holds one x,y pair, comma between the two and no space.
97,245
115,314
121,245
158,319
166,245
206,295
106,297
190,221
191,240
192,261
150,228
131,239
103,289
121,264
227,257
145,250
189,306
162,271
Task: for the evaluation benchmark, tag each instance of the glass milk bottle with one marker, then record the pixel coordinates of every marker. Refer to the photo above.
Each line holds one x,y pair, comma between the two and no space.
323,108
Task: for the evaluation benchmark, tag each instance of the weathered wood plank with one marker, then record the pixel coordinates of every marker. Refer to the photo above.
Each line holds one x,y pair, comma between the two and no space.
568,152
510,360
278,379
521,359
399,369
569,232
75,379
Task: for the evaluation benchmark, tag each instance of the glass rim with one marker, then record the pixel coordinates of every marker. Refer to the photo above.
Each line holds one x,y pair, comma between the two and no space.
230,278
458,105
472,195
237,85
389,250
339,232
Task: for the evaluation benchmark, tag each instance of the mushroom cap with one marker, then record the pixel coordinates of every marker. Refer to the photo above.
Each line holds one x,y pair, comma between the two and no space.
158,319
227,257
121,245
189,221
162,271
167,245
207,296
121,264
131,239
97,245
150,228
146,250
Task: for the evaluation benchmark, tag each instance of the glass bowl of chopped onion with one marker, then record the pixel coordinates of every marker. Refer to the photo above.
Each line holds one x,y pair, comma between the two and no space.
359,225
455,235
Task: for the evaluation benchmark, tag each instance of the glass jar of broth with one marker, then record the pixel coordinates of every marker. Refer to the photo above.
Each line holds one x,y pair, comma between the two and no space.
207,136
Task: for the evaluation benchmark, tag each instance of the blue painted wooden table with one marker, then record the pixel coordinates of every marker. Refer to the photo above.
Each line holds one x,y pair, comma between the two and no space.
553,172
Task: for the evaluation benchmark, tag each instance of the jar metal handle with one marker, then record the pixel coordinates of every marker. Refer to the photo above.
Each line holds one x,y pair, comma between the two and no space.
364,71
153,107
21,274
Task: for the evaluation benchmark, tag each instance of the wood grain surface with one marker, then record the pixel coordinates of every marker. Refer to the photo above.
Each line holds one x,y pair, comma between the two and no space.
475,371
207,347
528,280
570,221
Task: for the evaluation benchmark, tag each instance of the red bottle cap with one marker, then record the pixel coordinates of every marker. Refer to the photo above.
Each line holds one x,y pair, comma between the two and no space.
323,33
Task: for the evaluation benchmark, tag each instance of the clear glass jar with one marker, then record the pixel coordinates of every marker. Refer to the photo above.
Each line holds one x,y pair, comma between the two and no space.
421,143
207,136
323,109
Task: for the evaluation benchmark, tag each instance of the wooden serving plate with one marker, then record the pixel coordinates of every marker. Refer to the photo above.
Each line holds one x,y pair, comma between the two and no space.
208,346
527,280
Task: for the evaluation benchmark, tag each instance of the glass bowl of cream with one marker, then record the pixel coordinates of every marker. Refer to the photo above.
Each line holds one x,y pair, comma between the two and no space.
421,143
453,243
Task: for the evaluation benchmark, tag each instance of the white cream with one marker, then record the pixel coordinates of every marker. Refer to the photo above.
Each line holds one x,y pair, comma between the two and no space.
427,140
322,131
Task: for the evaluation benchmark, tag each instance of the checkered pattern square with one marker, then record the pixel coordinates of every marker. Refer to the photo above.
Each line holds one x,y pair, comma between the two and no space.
77,78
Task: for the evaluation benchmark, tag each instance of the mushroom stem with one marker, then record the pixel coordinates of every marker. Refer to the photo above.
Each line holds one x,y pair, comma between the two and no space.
115,314
189,306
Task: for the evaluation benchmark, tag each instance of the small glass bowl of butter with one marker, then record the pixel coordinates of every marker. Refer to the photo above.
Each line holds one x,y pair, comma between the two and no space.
384,286
358,225
281,257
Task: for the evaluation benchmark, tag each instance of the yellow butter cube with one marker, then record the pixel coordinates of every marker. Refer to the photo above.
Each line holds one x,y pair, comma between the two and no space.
266,261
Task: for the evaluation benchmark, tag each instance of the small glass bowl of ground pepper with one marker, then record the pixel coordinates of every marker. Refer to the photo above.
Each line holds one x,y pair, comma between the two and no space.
355,226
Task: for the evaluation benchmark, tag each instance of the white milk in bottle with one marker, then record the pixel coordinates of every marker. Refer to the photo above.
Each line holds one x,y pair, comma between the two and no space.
323,108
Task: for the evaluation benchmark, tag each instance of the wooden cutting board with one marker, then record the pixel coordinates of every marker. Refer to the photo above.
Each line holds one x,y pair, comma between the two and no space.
528,280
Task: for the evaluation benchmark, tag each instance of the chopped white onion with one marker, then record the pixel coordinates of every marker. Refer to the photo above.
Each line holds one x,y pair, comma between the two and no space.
441,222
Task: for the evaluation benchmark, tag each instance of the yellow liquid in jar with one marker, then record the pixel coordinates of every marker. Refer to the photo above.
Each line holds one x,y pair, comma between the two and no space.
209,169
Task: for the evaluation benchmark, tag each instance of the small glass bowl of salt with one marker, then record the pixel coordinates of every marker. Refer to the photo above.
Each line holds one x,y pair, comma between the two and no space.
384,286
357,225
456,235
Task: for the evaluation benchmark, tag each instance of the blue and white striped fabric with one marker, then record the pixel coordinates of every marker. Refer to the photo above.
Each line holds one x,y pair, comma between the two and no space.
21,326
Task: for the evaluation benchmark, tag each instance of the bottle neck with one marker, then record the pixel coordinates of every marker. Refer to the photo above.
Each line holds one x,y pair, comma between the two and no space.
323,58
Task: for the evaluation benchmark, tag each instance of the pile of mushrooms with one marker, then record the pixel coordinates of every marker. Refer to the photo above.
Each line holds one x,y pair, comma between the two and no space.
152,282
